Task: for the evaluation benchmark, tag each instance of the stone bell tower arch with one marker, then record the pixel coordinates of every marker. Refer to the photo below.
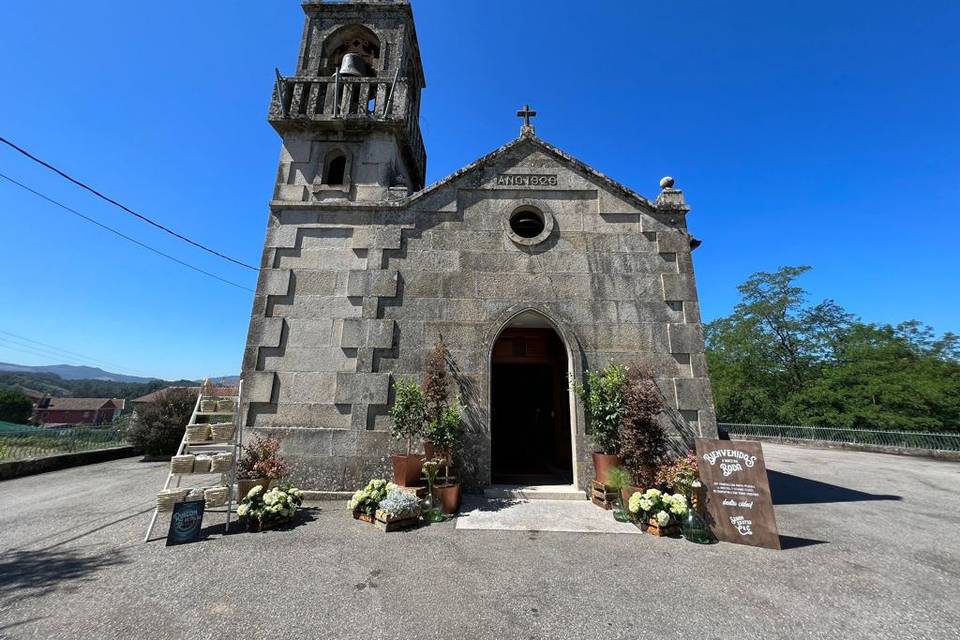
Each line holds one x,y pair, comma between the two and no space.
357,90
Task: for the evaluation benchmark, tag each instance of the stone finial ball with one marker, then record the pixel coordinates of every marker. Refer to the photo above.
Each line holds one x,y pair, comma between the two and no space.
666,182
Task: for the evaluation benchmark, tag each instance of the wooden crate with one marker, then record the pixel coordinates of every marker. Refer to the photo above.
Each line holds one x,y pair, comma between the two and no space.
363,517
602,495
395,525
654,529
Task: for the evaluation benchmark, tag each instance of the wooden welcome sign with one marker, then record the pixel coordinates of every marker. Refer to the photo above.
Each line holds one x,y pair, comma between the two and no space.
739,506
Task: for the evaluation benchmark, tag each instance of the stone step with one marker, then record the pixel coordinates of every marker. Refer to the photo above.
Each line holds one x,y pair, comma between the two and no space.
535,492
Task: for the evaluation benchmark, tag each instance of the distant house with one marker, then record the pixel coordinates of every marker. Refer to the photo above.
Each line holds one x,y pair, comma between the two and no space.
91,411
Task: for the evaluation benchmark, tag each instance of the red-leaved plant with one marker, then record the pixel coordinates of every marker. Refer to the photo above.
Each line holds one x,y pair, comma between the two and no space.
262,459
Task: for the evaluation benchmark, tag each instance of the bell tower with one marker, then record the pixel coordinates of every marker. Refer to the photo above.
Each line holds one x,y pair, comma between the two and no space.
350,115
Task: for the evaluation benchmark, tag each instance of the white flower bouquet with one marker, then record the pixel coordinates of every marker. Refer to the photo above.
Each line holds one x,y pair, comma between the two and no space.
663,508
366,500
263,510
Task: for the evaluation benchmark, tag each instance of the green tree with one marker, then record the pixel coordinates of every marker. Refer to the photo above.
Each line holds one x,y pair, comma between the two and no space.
158,426
14,407
779,359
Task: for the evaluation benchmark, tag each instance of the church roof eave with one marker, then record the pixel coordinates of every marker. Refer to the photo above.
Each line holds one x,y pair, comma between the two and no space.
560,155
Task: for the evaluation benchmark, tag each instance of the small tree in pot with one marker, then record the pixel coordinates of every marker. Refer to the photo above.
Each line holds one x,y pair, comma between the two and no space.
603,402
445,436
409,414
435,384
643,441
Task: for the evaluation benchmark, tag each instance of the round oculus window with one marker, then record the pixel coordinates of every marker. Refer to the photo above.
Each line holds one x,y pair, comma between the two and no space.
527,223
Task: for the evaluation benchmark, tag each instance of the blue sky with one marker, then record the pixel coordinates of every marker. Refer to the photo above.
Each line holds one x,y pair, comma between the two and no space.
817,133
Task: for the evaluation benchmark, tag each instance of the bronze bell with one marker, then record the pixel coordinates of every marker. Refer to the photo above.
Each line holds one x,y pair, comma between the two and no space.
353,64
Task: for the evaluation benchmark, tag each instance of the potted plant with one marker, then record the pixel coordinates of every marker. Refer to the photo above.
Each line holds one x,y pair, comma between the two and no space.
260,464
435,385
445,435
398,510
617,479
603,402
643,442
408,413
656,512
364,502
263,510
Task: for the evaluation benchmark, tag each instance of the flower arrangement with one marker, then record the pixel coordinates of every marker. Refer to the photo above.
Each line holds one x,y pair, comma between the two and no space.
654,504
603,401
267,509
367,499
680,476
398,505
262,459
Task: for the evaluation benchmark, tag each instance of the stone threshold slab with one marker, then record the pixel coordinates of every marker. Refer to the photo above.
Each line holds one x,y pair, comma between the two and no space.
535,492
515,514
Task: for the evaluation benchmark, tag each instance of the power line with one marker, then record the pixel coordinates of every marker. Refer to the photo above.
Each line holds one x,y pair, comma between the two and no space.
125,237
122,206
61,352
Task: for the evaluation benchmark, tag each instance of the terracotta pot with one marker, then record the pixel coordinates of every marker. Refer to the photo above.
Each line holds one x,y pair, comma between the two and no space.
448,496
603,462
244,486
406,469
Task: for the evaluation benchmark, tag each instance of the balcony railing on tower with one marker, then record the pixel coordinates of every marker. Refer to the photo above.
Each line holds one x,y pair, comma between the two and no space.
353,100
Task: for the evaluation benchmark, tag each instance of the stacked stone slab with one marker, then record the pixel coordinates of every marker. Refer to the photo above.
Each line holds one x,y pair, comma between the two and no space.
355,289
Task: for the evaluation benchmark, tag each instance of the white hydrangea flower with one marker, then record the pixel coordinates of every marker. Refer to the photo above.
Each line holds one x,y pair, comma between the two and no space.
663,518
242,510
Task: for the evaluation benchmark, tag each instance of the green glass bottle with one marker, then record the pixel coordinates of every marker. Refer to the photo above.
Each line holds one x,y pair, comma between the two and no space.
695,529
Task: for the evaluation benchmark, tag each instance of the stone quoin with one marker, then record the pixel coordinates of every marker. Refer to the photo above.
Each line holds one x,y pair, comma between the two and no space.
531,265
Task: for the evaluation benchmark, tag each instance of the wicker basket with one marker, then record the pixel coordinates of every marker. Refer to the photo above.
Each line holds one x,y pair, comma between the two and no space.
198,433
216,496
223,431
182,464
202,464
221,463
169,497
208,406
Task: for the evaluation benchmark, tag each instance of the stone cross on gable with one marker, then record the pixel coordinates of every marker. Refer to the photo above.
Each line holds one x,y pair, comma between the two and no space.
526,114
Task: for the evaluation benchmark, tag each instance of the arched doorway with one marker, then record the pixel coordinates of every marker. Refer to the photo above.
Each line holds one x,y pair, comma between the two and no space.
530,431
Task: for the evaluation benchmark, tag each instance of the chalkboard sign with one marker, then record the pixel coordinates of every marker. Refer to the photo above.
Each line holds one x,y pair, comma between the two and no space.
186,522
738,493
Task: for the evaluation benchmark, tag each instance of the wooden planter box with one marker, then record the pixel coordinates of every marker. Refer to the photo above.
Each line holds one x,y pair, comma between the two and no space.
396,524
363,517
652,527
602,496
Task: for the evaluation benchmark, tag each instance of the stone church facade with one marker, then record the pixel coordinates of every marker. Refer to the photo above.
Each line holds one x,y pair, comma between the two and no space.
530,265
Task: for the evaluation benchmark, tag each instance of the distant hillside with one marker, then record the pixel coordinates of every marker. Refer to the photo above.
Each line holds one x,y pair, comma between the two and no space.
53,385
73,372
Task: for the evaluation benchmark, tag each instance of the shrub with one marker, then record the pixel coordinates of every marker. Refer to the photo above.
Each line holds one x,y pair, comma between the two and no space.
158,426
643,442
399,504
680,475
408,412
262,459
444,433
435,382
602,398
14,406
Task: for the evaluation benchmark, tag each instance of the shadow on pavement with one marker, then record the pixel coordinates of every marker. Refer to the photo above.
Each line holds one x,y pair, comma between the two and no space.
791,542
36,573
789,489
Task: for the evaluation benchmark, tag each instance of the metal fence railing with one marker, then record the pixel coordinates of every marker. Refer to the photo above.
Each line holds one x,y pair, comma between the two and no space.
33,442
875,438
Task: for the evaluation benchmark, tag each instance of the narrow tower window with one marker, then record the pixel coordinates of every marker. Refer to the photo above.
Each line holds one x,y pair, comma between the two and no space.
335,170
